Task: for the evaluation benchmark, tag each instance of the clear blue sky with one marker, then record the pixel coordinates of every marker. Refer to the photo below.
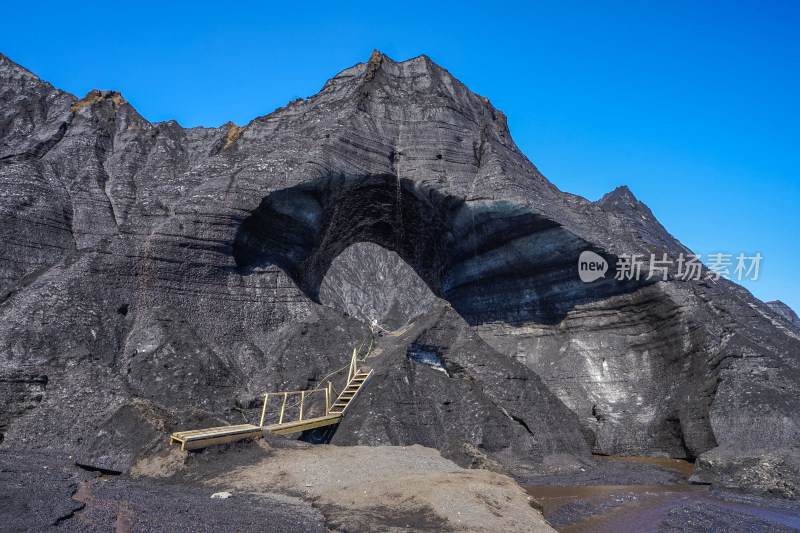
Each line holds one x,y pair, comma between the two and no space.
693,105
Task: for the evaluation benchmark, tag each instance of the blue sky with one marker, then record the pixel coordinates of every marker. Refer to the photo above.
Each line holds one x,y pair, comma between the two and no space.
693,105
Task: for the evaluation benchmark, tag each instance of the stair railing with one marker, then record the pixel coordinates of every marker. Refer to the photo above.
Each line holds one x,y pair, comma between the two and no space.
302,394
352,372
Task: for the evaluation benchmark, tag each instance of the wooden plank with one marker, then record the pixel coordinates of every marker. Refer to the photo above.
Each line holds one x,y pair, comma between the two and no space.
202,443
218,429
237,426
228,429
222,429
309,423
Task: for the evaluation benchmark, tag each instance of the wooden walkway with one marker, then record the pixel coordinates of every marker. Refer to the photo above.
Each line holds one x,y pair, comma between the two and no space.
334,412
302,425
200,438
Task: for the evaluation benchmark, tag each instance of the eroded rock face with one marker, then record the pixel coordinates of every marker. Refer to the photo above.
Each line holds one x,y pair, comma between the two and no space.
369,282
765,472
785,312
439,379
186,266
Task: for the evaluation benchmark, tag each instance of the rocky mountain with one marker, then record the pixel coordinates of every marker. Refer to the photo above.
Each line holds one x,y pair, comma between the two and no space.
786,312
154,276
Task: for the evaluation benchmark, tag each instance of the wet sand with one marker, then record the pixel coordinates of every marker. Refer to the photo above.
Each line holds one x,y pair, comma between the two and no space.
682,466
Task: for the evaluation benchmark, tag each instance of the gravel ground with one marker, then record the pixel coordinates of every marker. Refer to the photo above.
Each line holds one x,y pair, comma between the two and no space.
287,486
47,492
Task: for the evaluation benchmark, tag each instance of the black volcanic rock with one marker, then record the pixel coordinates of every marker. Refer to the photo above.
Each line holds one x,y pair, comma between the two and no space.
367,281
187,268
439,380
785,312
774,473
633,214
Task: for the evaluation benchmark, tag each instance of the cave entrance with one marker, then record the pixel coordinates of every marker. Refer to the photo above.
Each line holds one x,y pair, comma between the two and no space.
492,261
303,228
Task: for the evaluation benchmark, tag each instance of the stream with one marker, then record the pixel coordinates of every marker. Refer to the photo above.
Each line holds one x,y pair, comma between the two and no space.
656,508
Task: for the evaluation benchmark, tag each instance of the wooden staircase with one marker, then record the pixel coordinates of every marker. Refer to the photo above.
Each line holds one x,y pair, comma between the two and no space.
356,378
354,385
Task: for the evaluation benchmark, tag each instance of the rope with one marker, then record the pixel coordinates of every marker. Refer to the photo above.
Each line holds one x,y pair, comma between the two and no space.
359,358
395,333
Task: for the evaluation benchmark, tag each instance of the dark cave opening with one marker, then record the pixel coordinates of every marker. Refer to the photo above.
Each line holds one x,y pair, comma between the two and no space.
492,261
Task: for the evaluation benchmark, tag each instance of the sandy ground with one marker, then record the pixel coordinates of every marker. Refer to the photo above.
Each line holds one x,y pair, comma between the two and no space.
391,488
359,488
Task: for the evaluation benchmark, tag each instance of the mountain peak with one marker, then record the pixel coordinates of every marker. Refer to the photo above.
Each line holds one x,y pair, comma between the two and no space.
785,312
639,217
373,64
94,96
620,195
10,70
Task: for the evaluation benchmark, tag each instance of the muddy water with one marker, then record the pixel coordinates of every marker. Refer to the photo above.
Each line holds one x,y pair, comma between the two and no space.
640,508
553,498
